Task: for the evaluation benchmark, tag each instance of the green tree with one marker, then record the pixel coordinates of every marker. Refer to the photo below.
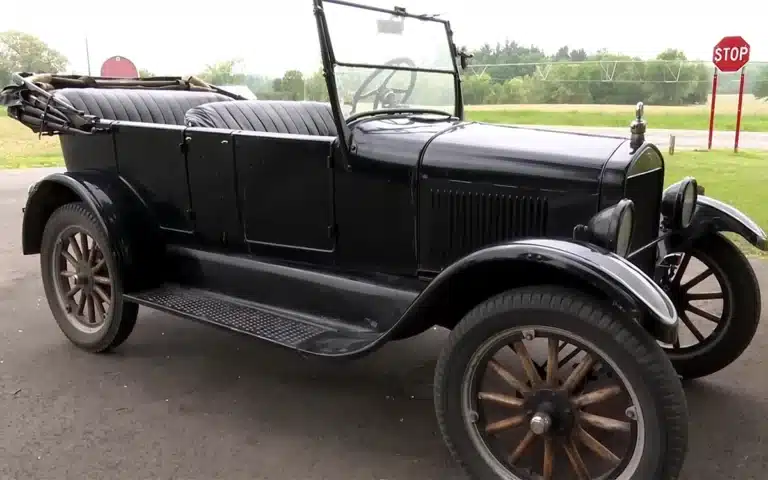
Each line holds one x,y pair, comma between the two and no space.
22,52
291,85
144,73
223,73
258,83
317,89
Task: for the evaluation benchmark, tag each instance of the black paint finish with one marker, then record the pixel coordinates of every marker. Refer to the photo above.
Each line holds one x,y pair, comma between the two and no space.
277,219
95,151
713,215
152,158
213,189
128,221
285,189
280,220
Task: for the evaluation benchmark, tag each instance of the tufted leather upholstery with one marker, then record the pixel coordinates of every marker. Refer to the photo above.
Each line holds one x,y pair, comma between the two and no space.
276,116
149,106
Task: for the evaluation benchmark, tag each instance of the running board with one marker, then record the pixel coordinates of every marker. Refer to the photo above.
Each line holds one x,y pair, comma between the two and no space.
293,330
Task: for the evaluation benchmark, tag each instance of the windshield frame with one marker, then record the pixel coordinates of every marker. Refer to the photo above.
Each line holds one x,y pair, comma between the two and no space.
330,61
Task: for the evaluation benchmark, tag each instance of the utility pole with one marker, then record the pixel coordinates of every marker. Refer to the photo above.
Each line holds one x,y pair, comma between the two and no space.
87,55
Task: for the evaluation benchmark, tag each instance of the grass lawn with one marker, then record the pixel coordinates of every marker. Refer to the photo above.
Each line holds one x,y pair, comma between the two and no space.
756,122
20,147
734,178
693,117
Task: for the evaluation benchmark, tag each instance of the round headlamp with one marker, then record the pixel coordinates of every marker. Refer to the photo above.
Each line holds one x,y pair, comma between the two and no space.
678,203
612,227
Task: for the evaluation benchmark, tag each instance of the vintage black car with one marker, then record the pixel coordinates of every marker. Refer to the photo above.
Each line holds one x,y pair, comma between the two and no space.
555,259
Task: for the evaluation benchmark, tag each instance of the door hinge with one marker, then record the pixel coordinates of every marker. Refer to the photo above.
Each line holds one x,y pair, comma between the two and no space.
184,146
330,160
333,231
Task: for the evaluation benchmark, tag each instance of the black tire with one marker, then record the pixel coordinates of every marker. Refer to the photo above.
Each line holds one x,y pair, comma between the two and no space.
740,320
120,316
648,370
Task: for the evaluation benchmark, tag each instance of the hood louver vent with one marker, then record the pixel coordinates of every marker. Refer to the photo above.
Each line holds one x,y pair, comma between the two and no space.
461,222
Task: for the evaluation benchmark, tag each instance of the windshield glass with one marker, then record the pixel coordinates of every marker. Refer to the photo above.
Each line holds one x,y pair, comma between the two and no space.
366,42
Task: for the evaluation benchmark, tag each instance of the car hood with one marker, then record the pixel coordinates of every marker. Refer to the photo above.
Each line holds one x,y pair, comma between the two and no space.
518,156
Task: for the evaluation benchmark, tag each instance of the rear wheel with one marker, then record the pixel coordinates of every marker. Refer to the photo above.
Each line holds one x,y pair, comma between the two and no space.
717,297
602,403
82,281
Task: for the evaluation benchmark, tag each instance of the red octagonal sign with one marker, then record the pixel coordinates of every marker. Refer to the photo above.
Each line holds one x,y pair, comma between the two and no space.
731,54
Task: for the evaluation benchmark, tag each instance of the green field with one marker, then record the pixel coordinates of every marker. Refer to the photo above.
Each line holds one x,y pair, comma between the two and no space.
695,117
737,179
682,121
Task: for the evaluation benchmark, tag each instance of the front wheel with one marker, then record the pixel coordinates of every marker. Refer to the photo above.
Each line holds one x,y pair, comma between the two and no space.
717,297
82,281
550,383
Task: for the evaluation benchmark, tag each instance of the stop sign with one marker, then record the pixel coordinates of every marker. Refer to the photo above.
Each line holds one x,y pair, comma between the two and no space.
731,54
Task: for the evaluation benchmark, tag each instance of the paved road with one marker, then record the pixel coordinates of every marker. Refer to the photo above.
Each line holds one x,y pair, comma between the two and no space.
184,401
684,139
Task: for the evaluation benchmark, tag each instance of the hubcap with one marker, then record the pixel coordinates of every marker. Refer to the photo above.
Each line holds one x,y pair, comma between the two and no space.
576,405
540,423
82,279
550,409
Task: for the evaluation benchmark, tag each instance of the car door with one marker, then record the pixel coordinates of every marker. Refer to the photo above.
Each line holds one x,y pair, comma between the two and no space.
285,189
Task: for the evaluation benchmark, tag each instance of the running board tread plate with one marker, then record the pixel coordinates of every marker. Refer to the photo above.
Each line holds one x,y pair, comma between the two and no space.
276,327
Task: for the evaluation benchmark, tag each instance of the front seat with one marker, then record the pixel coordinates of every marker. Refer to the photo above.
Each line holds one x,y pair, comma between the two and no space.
275,116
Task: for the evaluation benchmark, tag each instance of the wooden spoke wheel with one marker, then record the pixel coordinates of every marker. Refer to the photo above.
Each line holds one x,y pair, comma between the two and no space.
717,298
546,384
82,281
83,284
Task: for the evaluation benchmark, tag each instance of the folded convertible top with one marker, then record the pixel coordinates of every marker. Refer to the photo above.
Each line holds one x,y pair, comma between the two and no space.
30,101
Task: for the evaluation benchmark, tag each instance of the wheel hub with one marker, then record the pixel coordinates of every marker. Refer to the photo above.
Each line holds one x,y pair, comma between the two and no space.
550,412
541,423
82,278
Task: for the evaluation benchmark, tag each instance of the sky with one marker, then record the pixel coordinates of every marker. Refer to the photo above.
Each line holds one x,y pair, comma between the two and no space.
171,37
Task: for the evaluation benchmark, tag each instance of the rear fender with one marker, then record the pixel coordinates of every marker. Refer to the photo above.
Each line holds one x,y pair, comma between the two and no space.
715,216
583,266
133,234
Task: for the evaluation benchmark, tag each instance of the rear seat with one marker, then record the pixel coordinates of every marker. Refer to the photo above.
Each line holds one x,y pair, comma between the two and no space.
275,116
149,106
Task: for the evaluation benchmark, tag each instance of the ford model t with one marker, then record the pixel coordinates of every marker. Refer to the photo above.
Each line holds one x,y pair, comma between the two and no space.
558,261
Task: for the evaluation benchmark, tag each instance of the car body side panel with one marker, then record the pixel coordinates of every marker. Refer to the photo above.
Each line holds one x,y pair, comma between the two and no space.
213,189
89,152
285,189
482,184
151,157
376,197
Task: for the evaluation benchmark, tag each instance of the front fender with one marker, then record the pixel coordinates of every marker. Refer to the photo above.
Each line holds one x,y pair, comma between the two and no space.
132,232
617,278
713,215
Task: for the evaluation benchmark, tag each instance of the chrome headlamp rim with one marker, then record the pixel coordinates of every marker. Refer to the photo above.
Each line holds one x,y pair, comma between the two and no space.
613,227
626,226
678,203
